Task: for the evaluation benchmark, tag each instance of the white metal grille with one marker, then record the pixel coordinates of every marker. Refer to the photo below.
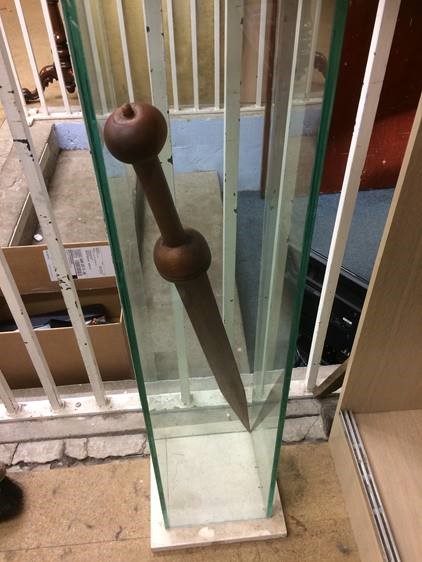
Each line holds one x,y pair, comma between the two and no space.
18,113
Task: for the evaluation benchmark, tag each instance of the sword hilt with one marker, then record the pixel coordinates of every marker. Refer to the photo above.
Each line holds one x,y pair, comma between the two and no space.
135,133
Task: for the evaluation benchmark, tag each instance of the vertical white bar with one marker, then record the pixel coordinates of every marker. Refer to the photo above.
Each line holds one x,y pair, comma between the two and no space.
55,54
157,74
157,77
125,50
23,322
379,50
7,397
261,52
233,36
217,54
12,66
95,56
172,47
194,42
31,55
25,150
104,49
315,32
282,220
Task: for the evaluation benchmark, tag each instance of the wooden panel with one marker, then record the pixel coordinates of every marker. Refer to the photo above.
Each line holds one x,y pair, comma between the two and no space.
393,445
357,505
385,366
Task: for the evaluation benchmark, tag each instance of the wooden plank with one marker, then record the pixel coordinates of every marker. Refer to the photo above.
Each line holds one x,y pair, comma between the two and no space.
357,505
386,360
393,445
332,383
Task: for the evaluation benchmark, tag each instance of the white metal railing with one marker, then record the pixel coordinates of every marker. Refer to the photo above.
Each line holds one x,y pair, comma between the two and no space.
25,150
45,110
97,399
379,51
68,107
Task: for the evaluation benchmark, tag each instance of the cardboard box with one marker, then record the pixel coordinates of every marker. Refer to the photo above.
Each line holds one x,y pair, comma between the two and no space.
40,295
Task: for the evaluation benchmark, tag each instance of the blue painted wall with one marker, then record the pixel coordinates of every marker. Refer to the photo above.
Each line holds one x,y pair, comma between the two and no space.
198,142
198,146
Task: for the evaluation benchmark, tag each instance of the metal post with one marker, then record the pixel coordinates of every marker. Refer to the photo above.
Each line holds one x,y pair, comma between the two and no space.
172,47
261,52
217,54
125,49
194,41
53,47
6,395
233,37
312,51
280,192
23,322
156,62
95,56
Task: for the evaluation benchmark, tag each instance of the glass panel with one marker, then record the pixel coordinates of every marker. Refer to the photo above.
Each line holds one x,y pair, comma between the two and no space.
117,186
298,139
208,467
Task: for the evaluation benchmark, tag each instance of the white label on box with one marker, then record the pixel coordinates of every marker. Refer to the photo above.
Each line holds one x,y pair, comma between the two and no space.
85,263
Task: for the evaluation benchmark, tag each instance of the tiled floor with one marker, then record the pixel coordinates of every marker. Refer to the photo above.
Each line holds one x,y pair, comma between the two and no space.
101,513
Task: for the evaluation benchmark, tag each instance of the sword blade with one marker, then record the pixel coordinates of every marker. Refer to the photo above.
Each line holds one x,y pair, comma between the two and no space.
201,306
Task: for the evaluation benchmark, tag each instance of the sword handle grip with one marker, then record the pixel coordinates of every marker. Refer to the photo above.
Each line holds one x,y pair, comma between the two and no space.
135,133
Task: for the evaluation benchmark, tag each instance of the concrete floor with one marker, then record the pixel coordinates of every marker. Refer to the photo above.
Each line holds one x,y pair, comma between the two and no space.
74,196
13,185
101,512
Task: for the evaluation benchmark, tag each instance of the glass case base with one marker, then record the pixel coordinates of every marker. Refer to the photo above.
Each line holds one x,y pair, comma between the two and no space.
213,533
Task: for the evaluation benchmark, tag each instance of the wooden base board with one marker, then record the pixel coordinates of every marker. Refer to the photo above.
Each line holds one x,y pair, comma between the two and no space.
207,535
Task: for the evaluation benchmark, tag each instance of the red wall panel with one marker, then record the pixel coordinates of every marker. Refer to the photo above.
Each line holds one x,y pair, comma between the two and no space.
399,97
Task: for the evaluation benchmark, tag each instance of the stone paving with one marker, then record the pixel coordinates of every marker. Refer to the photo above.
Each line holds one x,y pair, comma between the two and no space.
304,422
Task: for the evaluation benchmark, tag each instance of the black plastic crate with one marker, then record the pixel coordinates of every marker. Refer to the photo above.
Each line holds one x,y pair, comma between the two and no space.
347,307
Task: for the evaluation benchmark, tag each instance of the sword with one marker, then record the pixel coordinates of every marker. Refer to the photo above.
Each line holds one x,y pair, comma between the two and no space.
135,133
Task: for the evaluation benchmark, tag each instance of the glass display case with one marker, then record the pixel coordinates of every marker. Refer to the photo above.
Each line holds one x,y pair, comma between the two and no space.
209,467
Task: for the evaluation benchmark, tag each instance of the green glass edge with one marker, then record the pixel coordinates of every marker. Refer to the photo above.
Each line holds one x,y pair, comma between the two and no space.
337,37
84,90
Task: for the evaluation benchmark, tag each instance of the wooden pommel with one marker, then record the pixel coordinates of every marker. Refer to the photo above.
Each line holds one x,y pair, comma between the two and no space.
135,133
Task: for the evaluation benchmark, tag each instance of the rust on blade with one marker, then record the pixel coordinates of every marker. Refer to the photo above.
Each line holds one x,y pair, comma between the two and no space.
200,304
